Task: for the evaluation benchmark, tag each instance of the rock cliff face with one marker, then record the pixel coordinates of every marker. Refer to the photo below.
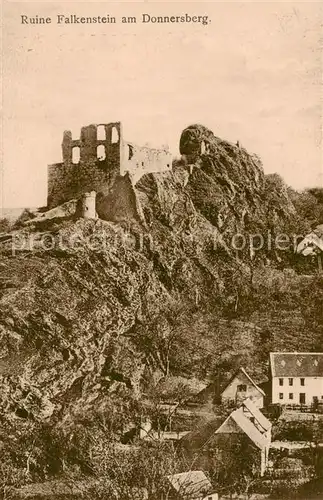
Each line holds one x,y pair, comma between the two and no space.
74,290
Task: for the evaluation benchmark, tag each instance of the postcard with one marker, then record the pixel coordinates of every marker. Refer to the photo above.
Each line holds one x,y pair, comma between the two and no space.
161,239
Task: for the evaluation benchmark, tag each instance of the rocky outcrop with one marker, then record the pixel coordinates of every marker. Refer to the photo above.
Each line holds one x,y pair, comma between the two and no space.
73,290
120,203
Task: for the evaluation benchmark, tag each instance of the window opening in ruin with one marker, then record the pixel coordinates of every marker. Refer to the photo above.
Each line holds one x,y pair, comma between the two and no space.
100,152
114,135
100,133
75,133
130,153
76,152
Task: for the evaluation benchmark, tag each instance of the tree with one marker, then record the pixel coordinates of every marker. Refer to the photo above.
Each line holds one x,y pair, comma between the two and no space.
309,205
135,474
169,338
312,307
233,465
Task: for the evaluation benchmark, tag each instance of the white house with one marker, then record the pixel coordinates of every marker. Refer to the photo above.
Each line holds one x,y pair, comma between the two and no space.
242,387
297,377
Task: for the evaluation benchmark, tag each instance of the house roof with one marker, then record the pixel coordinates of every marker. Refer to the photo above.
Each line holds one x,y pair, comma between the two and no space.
249,428
312,240
254,428
257,414
296,364
211,389
242,370
247,419
191,484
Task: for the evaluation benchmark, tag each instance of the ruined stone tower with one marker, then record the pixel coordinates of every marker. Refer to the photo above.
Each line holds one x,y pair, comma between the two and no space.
94,161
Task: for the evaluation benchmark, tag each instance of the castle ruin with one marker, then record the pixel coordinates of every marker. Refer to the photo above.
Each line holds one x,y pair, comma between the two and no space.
93,162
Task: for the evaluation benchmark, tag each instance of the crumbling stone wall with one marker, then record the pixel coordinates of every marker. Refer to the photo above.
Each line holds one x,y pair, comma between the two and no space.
90,163
142,160
96,159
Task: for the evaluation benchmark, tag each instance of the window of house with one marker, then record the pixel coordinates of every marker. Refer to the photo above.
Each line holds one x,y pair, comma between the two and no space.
100,152
242,388
281,395
281,381
76,153
290,381
114,135
100,133
302,381
291,395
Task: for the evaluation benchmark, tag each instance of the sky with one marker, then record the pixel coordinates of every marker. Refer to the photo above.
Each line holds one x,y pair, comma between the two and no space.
253,74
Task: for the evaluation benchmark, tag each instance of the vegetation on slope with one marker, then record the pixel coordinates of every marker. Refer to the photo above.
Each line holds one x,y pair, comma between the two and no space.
89,327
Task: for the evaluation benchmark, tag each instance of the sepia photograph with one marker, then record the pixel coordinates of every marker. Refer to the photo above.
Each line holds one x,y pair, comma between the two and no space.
161,250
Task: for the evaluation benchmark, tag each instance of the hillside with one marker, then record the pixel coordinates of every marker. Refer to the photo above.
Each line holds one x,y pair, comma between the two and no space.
93,311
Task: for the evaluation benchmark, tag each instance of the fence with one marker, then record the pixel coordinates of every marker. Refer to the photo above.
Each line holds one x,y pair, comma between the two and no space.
313,408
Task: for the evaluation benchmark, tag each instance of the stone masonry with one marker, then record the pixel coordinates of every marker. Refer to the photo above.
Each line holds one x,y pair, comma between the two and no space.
96,159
